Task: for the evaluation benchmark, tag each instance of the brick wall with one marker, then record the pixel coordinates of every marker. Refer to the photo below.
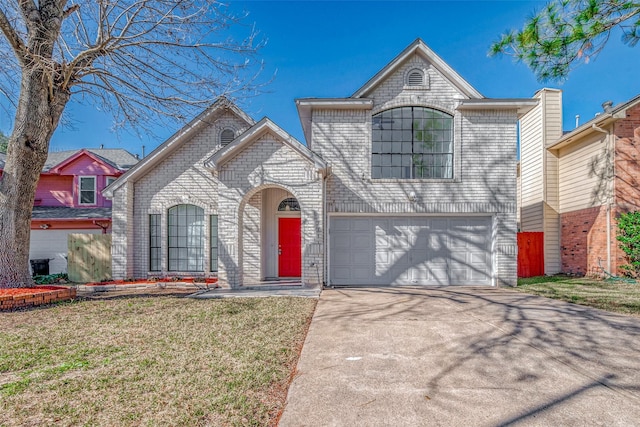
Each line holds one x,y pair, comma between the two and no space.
584,242
484,166
181,178
627,161
35,298
267,163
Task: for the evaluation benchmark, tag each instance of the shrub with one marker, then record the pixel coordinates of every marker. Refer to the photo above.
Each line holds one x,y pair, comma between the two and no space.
629,238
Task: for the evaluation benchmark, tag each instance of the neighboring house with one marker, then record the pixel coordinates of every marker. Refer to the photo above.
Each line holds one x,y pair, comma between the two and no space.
69,199
575,184
411,180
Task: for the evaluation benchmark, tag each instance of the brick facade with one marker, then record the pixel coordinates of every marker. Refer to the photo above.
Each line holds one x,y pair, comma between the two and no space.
584,242
237,181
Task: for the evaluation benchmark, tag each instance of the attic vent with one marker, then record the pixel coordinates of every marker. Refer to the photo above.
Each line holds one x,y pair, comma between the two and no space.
415,78
226,137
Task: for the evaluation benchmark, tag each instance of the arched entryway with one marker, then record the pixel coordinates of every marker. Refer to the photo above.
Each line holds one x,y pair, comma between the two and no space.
271,236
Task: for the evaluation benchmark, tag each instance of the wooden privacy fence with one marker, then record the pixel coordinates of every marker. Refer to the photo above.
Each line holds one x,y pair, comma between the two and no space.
89,257
530,254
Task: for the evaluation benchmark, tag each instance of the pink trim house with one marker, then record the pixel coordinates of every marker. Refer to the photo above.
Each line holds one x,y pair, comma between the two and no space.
69,199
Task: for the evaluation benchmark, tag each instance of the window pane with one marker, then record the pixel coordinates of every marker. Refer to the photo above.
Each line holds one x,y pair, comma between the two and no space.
154,242
186,238
87,197
410,131
87,183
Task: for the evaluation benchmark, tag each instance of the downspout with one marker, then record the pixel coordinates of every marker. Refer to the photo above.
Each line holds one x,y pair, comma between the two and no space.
325,228
606,132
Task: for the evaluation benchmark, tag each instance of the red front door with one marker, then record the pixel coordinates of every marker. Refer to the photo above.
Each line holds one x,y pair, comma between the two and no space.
289,247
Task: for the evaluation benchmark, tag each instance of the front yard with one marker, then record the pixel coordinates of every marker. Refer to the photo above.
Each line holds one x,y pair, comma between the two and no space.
617,296
150,361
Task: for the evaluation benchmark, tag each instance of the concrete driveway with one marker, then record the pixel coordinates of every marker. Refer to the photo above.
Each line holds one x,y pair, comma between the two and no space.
464,357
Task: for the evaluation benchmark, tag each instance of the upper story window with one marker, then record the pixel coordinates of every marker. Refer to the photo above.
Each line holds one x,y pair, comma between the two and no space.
227,136
412,143
87,190
110,180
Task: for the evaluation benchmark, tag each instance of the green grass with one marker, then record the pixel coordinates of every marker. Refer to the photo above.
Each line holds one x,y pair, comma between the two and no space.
150,361
616,296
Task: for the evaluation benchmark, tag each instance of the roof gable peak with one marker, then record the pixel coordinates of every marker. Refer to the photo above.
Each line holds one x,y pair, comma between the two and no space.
253,134
419,47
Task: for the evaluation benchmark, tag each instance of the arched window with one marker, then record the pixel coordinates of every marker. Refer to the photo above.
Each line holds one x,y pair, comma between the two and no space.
412,143
290,204
186,238
226,137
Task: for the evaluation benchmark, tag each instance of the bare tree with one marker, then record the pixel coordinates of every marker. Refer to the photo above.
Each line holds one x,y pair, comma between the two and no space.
142,61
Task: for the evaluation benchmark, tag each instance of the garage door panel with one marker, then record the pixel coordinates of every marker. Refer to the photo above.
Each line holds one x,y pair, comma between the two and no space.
361,257
361,225
410,250
361,241
341,241
341,224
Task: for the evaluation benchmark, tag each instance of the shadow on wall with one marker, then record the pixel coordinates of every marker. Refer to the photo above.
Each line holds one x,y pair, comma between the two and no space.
358,193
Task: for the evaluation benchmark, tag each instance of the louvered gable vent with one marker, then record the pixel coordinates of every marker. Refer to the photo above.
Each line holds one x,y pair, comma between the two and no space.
415,78
226,137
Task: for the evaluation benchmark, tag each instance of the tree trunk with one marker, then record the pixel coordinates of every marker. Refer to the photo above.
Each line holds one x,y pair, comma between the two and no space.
39,110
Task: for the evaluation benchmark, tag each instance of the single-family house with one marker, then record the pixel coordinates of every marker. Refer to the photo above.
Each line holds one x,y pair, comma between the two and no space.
408,181
575,184
69,199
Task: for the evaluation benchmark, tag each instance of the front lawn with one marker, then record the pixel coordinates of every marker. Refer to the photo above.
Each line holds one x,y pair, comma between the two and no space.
150,361
616,296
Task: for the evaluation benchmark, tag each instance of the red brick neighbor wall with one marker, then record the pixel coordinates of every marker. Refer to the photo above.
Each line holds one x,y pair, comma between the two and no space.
584,240
627,166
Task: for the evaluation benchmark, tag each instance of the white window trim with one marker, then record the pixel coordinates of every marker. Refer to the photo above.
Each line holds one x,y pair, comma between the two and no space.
425,80
95,190
107,183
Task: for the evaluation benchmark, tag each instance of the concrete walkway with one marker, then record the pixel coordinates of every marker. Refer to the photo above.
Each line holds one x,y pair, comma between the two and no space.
464,357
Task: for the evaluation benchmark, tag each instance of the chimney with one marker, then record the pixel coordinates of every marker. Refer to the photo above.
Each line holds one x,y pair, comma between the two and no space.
137,157
607,106
577,120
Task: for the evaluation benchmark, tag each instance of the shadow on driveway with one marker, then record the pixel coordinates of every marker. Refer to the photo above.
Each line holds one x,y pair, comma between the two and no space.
464,356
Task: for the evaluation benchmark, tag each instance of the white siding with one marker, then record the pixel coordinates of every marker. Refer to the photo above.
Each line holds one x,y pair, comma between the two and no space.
539,201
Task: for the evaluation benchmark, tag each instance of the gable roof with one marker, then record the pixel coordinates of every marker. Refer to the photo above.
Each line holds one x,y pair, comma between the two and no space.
176,140
57,168
616,113
264,126
116,158
419,47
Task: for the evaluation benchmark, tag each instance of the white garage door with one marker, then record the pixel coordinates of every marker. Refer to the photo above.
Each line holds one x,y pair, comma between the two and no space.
410,250
52,244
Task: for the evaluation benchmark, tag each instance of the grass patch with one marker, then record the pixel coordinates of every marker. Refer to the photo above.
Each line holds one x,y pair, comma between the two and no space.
150,361
615,296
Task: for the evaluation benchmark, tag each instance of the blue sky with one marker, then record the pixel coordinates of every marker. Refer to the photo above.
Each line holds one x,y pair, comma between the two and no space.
331,48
